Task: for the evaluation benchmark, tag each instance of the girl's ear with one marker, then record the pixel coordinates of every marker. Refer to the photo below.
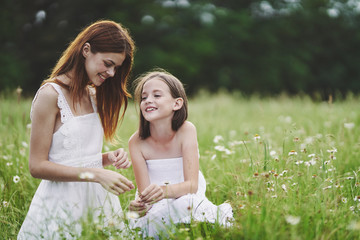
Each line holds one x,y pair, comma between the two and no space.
178,104
86,50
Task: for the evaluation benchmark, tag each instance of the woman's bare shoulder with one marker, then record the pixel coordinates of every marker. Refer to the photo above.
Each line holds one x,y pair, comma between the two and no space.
46,99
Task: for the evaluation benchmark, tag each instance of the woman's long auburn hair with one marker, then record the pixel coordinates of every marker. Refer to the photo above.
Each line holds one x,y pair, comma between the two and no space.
103,36
176,90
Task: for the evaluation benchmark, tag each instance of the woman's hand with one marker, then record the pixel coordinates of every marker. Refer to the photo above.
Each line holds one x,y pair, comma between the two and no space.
139,207
119,158
112,181
152,194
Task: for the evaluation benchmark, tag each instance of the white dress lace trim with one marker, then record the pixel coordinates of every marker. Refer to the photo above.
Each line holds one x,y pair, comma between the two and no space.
57,207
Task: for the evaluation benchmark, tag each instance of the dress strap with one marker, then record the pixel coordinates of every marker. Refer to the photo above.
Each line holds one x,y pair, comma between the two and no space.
65,110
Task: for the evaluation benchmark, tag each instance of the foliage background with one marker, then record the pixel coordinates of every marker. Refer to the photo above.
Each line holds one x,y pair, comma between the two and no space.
265,47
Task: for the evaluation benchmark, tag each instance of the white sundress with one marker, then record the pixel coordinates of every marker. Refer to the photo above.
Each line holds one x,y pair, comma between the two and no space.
168,212
57,207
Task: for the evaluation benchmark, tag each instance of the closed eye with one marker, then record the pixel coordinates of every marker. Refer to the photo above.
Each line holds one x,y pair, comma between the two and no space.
107,64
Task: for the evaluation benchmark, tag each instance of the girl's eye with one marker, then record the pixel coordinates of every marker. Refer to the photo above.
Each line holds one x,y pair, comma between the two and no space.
143,98
157,95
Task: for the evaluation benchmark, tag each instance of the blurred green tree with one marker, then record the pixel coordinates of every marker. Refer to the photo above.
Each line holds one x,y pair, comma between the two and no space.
266,47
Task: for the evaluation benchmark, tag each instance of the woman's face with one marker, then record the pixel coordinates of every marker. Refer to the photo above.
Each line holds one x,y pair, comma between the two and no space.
100,66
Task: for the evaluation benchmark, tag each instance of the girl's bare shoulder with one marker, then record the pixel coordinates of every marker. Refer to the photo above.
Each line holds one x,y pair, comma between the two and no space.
134,139
187,127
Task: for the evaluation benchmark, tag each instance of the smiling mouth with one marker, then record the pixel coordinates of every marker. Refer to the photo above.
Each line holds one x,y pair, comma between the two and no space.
150,109
102,77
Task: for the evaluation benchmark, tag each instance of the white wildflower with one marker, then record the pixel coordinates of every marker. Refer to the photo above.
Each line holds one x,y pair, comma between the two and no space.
213,157
86,175
16,179
328,187
132,215
344,199
220,148
334,150
292,152
24,144
5,203
284,187
293,220
257,137
218,138
235,143
349,125
299,162
312,162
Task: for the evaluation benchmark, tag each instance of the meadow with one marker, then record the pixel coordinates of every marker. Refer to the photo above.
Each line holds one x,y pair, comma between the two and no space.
288,166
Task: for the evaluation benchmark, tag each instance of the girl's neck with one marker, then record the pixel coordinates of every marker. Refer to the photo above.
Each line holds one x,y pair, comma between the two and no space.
161,132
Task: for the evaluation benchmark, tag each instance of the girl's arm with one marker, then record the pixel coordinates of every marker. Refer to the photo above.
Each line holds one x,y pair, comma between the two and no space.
189,148
138,162
44,115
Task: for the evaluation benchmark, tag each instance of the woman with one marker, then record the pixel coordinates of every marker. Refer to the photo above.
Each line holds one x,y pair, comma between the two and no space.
82,101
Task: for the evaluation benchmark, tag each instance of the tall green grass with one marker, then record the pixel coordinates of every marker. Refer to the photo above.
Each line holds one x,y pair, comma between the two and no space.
288,166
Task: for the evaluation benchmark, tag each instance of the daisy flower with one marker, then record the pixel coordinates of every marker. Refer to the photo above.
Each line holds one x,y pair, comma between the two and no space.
16,179
292,152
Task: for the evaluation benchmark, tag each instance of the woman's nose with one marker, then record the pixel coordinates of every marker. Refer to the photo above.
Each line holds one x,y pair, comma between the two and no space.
111,72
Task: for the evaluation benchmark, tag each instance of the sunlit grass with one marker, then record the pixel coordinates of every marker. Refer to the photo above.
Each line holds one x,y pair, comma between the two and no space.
288,166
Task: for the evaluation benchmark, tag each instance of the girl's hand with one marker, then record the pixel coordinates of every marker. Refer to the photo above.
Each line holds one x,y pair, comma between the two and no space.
113,182
139,207
119,158
152,194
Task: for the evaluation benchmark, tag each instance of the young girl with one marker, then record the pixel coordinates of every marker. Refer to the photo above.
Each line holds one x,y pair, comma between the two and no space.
165,158
72,111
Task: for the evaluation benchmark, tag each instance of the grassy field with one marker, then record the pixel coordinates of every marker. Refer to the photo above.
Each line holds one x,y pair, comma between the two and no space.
288,166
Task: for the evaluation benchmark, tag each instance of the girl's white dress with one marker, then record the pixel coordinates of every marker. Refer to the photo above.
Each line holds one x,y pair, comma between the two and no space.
168,212
57,207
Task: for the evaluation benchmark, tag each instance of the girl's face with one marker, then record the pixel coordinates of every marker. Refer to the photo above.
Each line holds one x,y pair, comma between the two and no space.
157,102
100,66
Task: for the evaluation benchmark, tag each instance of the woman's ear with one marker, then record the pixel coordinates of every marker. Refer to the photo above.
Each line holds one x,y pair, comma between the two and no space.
178,104
86,49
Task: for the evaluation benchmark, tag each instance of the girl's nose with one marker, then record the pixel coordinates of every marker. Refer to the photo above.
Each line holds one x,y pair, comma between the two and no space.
149,99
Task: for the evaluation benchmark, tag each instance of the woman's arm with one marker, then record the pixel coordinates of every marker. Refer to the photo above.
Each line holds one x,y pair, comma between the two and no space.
117,158
44,116
189,148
